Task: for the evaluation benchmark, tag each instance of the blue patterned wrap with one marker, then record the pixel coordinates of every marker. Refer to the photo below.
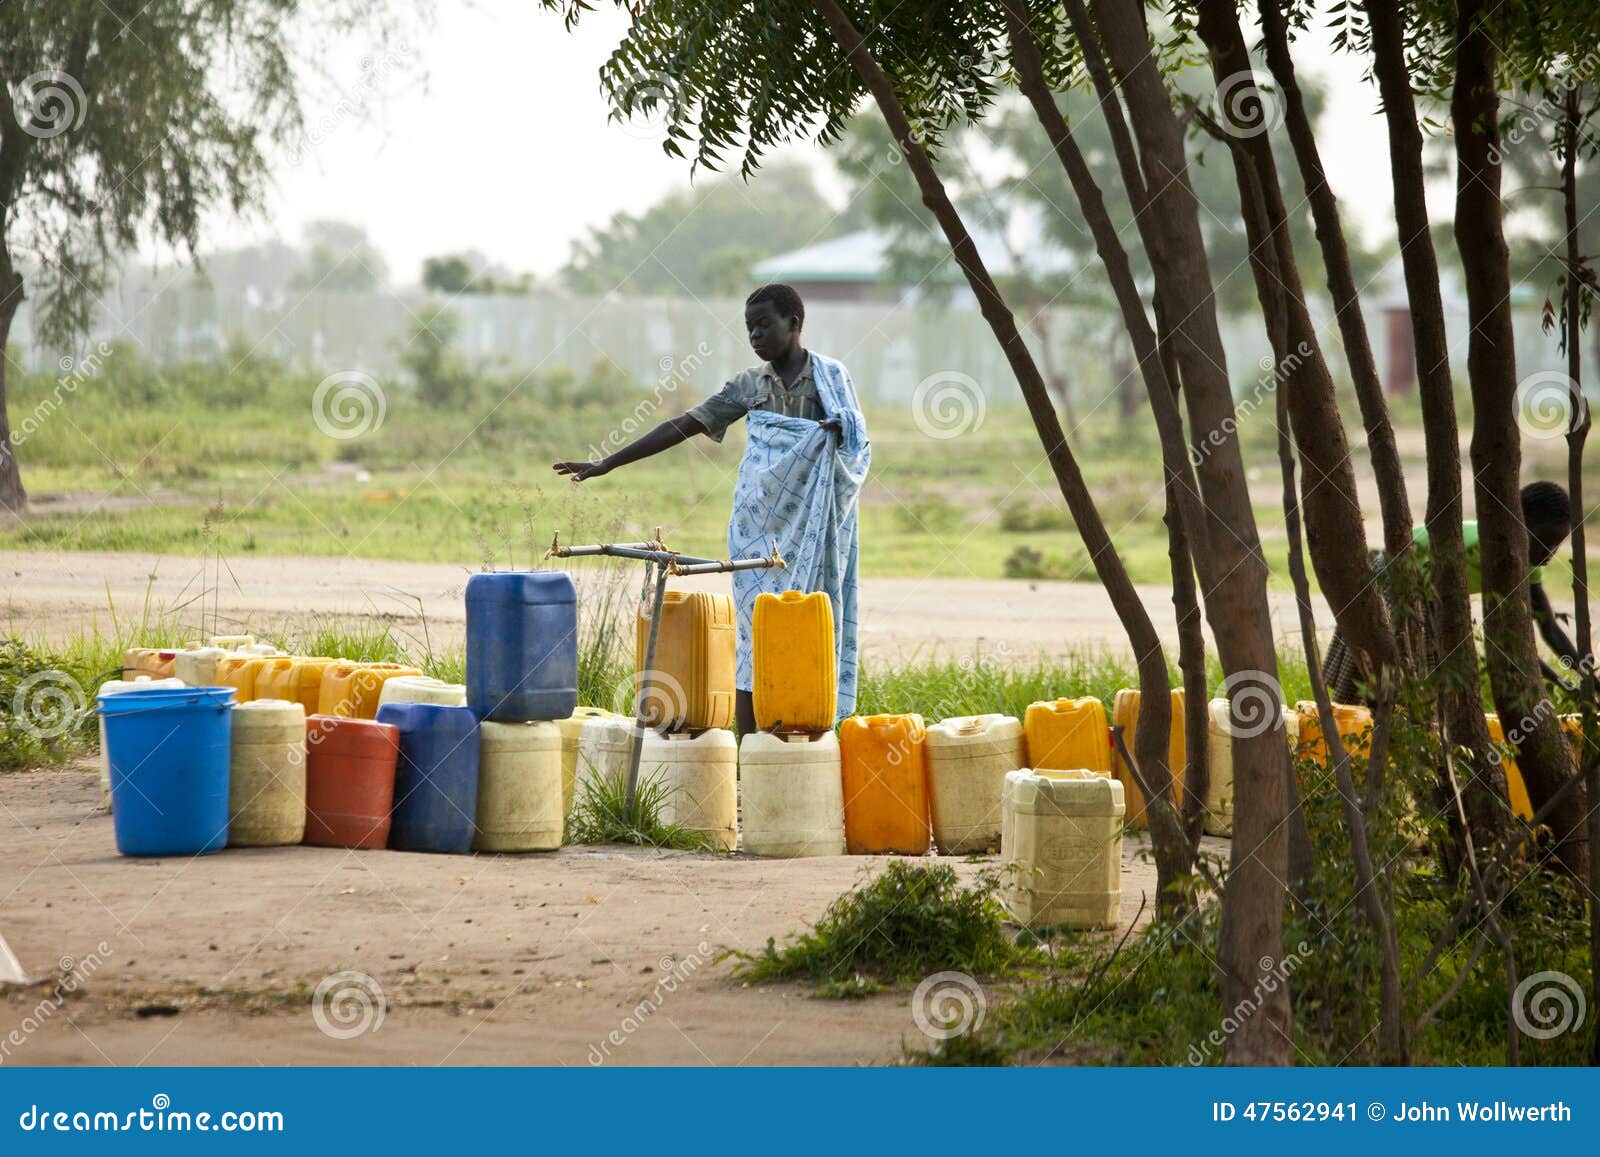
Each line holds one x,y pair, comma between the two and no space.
799,484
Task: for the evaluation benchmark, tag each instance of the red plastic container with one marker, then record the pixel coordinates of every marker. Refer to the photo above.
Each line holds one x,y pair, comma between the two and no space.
349,781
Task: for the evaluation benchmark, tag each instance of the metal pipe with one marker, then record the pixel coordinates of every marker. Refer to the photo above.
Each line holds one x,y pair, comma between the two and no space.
605,548
639,722
711,567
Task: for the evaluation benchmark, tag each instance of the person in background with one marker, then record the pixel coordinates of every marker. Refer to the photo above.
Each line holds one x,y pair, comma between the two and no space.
1547,514
804,462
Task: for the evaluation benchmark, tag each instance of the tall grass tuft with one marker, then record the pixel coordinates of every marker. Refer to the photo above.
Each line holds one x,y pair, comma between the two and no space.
600,815
907,922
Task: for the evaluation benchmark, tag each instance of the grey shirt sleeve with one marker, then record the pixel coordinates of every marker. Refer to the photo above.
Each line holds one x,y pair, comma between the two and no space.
722,409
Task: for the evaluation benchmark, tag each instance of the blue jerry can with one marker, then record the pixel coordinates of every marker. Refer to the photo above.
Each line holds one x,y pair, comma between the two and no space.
436,778
522,645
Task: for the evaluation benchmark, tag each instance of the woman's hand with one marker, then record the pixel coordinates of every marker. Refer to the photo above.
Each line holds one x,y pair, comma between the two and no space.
831,424
582,471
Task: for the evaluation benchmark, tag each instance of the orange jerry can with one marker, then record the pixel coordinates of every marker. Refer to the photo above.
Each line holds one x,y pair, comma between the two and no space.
1355,728
794,661
1125,714
1068,734
350,690
1516,786
885,776
692,684
295,678
241,673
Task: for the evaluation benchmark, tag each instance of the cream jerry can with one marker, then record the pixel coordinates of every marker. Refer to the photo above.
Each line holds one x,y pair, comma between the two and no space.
267,774
1062,847
604,747
791,794
700,774
571,729
968,758
519,786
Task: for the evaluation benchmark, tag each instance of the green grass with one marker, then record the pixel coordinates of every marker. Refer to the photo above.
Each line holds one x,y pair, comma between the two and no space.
905,923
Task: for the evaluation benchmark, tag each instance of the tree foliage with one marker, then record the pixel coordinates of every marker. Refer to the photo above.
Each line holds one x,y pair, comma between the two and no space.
128,121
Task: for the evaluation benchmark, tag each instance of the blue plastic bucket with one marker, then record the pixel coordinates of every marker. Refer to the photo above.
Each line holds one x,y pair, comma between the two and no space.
169,750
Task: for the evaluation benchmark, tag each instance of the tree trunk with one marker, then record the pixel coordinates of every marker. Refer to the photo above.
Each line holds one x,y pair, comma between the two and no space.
1577,435
1191,632
1392,1029
1335,531
1454,663
1510,651
1151,735
12,496
1235,591
1393,501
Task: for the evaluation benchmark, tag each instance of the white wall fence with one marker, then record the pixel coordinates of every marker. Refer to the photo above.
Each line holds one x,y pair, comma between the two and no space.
889,348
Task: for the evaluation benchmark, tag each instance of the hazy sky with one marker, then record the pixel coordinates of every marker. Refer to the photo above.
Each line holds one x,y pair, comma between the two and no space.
504,144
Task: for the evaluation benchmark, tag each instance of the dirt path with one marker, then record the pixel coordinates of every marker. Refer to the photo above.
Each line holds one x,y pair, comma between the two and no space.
59,592
480,959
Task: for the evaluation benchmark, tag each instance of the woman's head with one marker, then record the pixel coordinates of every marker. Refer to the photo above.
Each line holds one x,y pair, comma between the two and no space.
1547,513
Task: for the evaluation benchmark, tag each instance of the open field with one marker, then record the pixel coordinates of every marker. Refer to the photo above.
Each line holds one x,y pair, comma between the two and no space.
232,460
